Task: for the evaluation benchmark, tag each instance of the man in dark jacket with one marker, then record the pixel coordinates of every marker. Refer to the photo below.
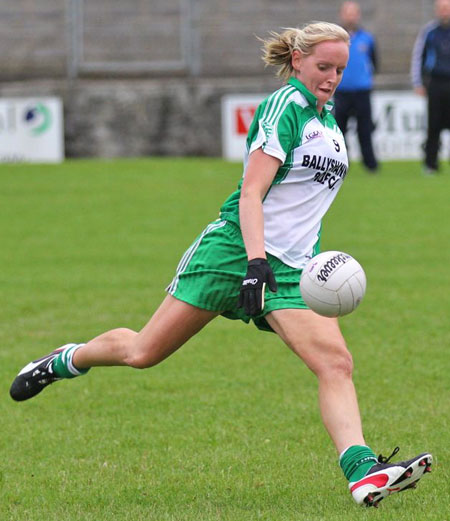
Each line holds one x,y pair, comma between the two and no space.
430,74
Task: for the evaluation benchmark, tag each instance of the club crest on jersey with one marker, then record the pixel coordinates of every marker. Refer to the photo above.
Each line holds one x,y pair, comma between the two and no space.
314,135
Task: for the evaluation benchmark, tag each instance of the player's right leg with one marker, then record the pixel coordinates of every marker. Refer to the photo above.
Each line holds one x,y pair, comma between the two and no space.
170,327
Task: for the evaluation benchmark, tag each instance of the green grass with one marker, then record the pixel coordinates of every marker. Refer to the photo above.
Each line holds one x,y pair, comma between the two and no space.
228,427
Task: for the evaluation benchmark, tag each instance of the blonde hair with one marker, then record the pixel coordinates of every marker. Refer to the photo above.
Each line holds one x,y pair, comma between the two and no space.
277,50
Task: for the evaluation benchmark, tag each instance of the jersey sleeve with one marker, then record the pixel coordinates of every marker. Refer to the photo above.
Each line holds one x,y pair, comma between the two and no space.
275,133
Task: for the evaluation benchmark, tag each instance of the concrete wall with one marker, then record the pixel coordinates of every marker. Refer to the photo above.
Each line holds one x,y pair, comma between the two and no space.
145,77
131,118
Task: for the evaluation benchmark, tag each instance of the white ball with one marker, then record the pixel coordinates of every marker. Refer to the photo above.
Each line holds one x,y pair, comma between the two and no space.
333,284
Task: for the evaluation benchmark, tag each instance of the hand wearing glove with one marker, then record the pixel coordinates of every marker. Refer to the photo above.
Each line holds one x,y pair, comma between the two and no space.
251,296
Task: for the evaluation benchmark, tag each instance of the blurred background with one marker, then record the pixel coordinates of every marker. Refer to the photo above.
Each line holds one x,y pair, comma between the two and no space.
146,77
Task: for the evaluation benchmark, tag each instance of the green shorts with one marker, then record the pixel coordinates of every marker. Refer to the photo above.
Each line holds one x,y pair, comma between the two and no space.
210,274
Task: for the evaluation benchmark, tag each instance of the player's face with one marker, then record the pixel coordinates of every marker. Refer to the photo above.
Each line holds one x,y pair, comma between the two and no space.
321,71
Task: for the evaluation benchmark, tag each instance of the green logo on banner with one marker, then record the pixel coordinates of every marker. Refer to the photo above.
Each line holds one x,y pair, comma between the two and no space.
39,119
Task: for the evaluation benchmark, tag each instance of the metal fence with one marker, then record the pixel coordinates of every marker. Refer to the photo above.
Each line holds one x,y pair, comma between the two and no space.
130,37
79,38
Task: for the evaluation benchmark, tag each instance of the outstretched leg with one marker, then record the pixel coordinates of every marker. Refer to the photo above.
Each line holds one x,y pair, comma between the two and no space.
173,324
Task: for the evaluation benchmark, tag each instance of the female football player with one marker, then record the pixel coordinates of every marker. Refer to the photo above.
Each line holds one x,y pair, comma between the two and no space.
247,264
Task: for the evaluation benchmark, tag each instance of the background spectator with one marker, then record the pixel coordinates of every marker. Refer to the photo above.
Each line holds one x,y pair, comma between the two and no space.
430,74
352,98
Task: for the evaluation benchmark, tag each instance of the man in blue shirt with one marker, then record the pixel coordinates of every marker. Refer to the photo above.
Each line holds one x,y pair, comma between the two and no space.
430,75
352,97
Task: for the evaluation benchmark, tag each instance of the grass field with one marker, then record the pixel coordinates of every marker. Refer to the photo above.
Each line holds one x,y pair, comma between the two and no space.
228,427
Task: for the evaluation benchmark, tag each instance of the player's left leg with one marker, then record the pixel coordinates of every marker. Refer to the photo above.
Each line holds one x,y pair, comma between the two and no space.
319,343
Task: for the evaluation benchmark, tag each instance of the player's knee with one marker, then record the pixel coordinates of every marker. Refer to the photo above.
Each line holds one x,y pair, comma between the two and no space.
142,361
340,363
343,364
141,358
334,360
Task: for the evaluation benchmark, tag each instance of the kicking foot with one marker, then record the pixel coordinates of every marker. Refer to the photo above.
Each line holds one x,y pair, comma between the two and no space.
384,478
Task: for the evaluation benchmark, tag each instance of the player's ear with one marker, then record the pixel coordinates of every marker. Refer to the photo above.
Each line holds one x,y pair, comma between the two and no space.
296,60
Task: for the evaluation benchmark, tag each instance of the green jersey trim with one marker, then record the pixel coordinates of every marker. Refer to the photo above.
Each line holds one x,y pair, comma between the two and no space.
275,104
312,100
266,126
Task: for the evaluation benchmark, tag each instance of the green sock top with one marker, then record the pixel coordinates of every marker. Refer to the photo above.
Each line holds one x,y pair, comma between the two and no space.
356,461
63,366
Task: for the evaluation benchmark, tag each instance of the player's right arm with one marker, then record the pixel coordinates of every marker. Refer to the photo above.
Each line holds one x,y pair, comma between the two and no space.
270,138
260,173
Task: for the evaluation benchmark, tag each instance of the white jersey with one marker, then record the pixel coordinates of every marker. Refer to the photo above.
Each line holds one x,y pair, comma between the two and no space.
314,161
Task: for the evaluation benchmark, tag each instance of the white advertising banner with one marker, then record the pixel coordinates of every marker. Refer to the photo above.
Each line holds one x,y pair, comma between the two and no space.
31,130
399,118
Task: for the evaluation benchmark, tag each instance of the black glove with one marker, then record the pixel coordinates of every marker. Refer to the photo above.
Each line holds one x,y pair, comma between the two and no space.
251,296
